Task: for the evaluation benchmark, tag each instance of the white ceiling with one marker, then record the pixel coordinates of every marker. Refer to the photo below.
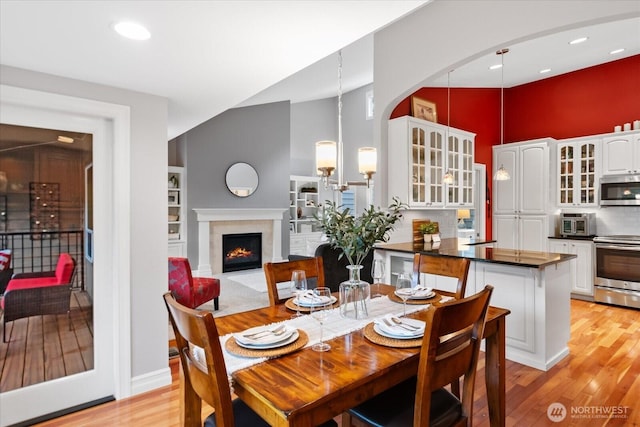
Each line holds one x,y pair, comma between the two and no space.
204,56
209,56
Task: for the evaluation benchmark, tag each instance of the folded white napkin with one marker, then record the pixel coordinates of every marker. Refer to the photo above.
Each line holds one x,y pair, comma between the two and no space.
308,298
387,324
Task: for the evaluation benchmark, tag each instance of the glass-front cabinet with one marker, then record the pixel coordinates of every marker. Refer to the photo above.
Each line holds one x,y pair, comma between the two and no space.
460,165
420,154
577,173
427,167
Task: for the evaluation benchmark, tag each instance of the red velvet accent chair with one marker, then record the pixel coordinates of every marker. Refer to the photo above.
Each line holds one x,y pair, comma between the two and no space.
40,293
191,291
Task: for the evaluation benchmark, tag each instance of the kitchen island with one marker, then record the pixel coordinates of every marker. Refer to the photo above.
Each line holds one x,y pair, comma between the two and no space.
535,286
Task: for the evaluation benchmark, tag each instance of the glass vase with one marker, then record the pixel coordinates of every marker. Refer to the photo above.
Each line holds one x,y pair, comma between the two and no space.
354,295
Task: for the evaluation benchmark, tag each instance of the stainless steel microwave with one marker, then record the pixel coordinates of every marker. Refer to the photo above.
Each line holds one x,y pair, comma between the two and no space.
620,190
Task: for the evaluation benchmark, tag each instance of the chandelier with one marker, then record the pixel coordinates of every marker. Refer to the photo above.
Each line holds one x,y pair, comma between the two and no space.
330,154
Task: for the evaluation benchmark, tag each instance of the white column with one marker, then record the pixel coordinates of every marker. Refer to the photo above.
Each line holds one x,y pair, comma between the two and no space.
204,259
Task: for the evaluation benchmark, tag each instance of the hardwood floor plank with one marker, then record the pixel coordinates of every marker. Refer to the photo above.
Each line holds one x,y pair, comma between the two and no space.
53,359
34,358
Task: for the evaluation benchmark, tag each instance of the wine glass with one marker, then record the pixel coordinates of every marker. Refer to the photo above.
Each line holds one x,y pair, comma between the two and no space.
320,312
377,272
404,286
298,287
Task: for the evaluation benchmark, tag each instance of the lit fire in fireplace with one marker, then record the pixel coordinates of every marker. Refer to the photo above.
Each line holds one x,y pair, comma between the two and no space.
239,253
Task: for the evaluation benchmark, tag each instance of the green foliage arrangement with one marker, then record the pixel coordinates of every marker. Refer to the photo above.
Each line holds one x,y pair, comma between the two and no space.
429,228
356,236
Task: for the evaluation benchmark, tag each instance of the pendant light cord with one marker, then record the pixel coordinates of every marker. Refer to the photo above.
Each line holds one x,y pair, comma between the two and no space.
340,147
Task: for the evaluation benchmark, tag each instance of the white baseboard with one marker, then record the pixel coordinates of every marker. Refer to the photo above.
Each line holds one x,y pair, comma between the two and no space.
150,381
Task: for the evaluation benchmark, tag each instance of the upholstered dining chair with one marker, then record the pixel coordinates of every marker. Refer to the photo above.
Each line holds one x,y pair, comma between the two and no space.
335,267
278,272
443,266
188,290
450,349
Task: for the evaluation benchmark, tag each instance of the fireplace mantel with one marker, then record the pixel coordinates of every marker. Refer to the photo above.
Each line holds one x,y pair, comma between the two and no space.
208,217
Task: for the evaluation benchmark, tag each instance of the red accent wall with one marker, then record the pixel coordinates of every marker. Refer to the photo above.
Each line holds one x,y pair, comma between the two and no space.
585,102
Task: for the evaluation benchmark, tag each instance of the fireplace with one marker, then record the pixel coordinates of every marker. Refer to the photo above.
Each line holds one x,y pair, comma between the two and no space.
241,251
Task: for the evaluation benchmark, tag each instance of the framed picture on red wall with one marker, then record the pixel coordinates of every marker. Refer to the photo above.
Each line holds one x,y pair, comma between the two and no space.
423,109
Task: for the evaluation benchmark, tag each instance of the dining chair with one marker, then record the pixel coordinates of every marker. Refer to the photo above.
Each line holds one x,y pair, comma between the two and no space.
204,372
442,266
278,272
450,349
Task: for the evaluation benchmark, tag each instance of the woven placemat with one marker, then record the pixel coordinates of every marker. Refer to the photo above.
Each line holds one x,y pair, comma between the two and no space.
395,298
232,347
292,306
376,338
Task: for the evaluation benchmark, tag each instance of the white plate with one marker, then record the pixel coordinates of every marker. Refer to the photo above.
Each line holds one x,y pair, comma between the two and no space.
398,332
292,338
265,339
421,294
307,303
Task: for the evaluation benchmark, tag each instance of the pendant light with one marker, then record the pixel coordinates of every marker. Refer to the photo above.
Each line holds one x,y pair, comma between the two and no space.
448,176
502,174
328,151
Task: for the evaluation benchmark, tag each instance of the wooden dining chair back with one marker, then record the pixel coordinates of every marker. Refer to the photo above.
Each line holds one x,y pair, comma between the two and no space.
450,349
204,372
443,266
278,272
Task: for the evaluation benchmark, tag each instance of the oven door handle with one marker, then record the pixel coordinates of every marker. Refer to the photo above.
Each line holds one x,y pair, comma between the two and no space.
633,248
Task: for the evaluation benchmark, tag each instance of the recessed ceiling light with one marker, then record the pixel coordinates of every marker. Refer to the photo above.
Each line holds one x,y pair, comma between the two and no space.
132,30
495,67
579,40
545,71
613,52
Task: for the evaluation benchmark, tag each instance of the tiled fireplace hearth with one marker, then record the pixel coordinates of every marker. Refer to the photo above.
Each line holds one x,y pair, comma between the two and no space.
214,223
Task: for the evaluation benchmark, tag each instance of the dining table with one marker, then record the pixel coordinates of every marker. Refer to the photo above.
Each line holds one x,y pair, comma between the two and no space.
307,388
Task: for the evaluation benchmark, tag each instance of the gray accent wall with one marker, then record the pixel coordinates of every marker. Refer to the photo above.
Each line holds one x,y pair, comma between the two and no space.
257,135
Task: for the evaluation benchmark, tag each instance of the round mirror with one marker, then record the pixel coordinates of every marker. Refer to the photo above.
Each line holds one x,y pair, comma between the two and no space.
242,179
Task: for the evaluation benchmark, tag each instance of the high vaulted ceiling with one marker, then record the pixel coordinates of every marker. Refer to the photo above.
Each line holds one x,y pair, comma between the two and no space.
209,56
204,56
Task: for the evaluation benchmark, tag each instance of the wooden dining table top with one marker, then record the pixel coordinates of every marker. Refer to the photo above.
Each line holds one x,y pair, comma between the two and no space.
308,387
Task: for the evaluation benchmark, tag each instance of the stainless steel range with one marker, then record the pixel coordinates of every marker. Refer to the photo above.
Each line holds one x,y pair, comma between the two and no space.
618,270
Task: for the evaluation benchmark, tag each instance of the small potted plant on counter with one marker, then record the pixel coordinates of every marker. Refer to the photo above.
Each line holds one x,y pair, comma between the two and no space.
428,229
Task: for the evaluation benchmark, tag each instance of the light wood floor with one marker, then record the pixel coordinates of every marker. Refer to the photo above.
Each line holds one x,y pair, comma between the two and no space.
603,370
43,348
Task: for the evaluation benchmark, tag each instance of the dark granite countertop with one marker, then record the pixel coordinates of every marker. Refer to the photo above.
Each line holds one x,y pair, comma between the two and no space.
459,248
588,238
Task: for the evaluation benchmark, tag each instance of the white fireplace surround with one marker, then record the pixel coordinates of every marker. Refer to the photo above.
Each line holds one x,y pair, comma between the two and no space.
211,219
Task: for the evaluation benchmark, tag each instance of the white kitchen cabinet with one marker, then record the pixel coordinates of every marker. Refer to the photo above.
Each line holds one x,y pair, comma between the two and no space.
538,328
419,155
460,163
582,268
304,243
176,205
621,154
577,172
520,204
521,232
527,192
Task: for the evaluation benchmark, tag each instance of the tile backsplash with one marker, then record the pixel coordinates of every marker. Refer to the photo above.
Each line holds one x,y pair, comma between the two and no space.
618,220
